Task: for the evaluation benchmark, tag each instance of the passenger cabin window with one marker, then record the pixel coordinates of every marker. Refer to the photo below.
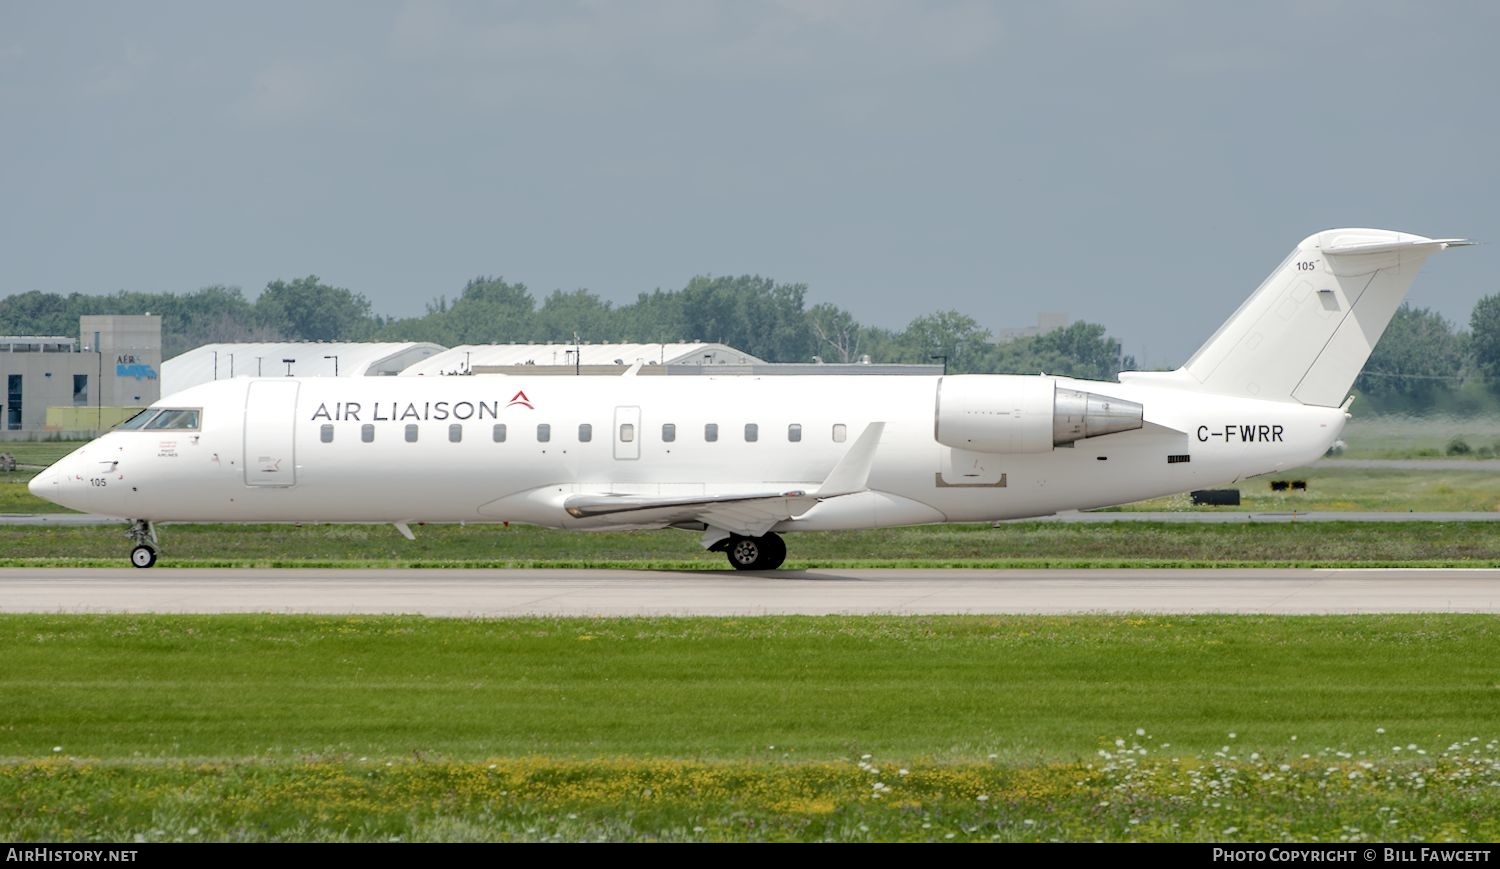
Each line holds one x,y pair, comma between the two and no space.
752,432
711,432
499,434
411,432
367,433
455,433
794,432
668,432
627,432
543,433
325,433
840,432
585,432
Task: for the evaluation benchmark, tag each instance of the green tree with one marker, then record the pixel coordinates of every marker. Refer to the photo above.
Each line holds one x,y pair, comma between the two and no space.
38,313
487,311
491,311
1484,340
563,315
1086,350
1081,350
307,309
956,336
208,315
751,313
839,336
1417,360
653,317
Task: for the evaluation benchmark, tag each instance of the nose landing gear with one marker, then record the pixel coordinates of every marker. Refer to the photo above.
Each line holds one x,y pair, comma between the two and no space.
143,534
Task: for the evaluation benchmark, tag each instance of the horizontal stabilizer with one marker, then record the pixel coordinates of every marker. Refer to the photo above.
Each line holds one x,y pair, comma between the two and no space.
1354,248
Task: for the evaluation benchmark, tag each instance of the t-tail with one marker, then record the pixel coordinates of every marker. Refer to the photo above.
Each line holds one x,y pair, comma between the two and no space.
1306,332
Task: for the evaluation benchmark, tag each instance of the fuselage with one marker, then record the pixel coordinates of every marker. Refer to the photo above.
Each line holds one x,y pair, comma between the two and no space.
502,448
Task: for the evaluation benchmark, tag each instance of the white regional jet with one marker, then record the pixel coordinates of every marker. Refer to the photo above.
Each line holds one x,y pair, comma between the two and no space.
741,459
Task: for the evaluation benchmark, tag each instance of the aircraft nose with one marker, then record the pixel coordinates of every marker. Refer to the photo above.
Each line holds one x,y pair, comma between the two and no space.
43,485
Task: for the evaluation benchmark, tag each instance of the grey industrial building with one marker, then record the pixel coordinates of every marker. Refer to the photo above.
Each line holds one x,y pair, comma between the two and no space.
59,384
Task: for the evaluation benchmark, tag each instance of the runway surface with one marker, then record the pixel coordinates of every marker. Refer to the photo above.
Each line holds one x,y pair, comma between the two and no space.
813,592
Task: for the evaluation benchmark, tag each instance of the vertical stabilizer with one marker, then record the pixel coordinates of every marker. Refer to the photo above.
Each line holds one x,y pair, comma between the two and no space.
1306,332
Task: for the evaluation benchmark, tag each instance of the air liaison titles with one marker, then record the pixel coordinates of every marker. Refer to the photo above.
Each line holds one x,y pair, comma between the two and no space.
381,411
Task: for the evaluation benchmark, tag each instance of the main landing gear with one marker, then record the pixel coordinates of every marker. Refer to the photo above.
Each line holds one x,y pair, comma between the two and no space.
143,534
754,553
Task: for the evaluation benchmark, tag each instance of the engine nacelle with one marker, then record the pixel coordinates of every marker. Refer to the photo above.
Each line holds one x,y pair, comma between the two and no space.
1024,414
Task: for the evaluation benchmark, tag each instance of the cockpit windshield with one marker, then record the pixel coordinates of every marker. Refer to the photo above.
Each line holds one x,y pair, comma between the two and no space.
163,419
175,419
139,420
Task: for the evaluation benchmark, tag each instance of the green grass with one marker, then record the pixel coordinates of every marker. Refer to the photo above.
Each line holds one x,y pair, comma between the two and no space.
1335,489
1327,796
31,456
1021,544
1401,436
371,727
39,454
16,498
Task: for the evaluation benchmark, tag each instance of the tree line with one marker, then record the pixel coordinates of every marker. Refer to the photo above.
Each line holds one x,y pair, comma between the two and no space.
1423,362
764,318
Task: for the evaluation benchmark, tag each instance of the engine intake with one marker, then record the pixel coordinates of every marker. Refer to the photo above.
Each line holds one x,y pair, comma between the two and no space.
1020,414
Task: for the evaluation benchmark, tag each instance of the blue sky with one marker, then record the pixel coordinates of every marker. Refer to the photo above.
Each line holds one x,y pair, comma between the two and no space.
1142,165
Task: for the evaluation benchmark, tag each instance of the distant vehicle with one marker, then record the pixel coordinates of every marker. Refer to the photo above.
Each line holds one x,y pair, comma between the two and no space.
742,459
